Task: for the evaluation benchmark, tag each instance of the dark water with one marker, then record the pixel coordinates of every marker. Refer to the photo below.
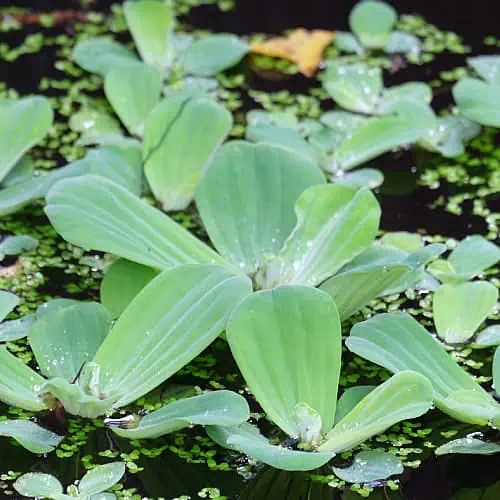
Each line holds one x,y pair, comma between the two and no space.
405,207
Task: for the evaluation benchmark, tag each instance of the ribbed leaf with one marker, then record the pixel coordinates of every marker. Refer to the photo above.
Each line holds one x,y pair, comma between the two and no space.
30,435
247,439
224,408
468,446
372,21
133,91
66,338
122,282
214,53
488,337
397,342
101,478
180,139
287,343
335,223
24,122
18,382
405,395
100,55
401,42
35,484
488,67
171,321
96,213
459,310
7,303
246,200
496,370
369,466
350,398
478,101
348,43
151,23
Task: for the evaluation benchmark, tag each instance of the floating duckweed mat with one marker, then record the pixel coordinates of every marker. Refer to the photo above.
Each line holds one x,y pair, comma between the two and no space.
443,199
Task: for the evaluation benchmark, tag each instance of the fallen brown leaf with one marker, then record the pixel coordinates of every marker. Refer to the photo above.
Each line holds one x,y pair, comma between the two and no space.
304,48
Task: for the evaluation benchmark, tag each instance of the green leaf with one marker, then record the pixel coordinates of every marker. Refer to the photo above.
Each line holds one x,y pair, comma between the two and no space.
17,328
273,336
66,338
251,221
357,287
100,55
372,21
405,395
468,446
151,23
247,439
398,342
175,317
92,123
350,398
224,408
411,91
101,478
16,197
35,484
8,301
348,43
180,139
355,87
285,137
18,382
459,309
22,171
15,245
369,466
344,122
400,42
370,178
335,223
402,240
496,370
122,282
488,337
133,91
488,67
213,54
24,123
479,101
30,435
94,212
122,165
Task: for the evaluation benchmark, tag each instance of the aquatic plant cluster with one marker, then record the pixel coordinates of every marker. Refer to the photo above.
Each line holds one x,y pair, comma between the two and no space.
293,250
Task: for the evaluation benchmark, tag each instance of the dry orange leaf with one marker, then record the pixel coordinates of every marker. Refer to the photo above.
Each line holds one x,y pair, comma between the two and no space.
304,48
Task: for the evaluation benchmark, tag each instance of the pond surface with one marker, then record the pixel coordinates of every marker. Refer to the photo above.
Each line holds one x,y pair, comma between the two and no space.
422,193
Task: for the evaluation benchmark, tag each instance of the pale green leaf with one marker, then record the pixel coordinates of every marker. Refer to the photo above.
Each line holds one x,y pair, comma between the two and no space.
94,212
180,139
488,67
92,122
247,439
488,337
100,55
18,382
281,118
214,53
401,42
251,220
335,223
405,395
35,484
17,328
468,446
22,171
372,21
101,478
224,408
350,398
398,342
15,245
151,23
273,336
175,317
122,282
473,255
344,122
8,301
496,370
348,43
30,435
460,309
363,178
411,91
356,287
66,338
355,87
478,101
24,123
369,466
133,91
402,240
